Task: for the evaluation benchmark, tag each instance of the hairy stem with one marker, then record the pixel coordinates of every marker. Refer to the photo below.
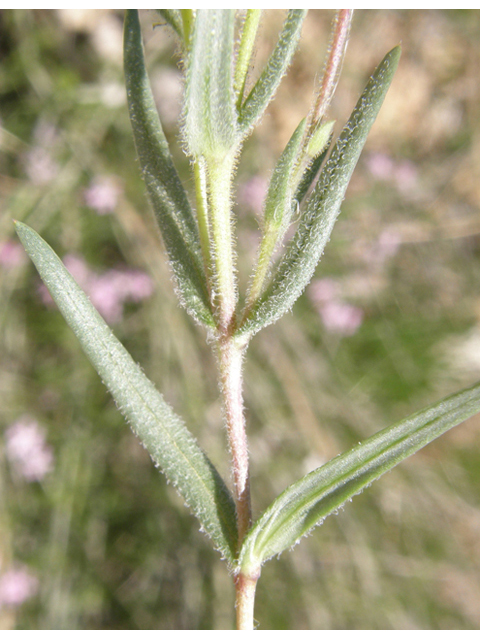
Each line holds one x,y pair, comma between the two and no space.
219,176
333,68
230,360
245,600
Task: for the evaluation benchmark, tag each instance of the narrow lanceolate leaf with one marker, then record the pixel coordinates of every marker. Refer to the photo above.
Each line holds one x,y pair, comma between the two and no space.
160,430
300,260
210,119
265,87
278,204
278,211
309,501
169,201
173,18
245,51
310,174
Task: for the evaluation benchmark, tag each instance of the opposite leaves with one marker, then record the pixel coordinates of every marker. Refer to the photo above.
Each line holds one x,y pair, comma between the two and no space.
306,503
162,433
168,198
299,262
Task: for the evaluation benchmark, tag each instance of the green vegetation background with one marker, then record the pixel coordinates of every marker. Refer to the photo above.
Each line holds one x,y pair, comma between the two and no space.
111,544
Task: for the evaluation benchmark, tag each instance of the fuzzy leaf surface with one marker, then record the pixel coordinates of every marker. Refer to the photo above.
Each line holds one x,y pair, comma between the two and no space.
310,173
167,196
170,444
301,258
278,203
211,121
267,84
306,503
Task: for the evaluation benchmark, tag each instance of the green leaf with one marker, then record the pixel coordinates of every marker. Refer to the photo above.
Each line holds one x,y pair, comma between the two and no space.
278,203
173,18
306,503
299,262
169,201
265,87
310,174
162,433
245,52
278,211
319,139
210,122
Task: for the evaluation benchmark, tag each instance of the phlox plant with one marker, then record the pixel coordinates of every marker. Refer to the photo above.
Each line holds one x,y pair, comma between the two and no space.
221,107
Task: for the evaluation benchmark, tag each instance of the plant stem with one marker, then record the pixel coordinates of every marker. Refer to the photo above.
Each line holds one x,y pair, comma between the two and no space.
229,351
245,600
219,178
333,68
230,361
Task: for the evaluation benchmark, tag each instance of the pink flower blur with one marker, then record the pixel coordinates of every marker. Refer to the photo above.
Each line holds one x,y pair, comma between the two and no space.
12,254
403,174
39,162
341,318
337,316
40,166
323,290
108,292
16,586
252,193
27,450
102,195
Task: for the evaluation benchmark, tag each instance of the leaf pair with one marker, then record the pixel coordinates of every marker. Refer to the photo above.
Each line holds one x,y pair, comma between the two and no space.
212,128
298,264
302,506
172,447
168,198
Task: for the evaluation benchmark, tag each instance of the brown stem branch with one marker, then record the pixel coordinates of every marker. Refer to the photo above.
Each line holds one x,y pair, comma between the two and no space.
230,357
245,600
333,66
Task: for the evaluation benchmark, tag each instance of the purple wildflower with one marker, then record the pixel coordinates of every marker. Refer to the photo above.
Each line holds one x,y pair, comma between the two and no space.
39,162
337,316
388,244
405,176
252,193
40,166
16,586
27,450
12,254
102,195
340,317
323,290
375,254
111,290
380,166
402,174
108,291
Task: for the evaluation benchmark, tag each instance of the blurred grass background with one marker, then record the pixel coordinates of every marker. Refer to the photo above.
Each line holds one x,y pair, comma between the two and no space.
390,323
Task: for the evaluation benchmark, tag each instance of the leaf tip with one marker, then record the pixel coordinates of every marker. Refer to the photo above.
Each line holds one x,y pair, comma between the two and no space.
395,54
